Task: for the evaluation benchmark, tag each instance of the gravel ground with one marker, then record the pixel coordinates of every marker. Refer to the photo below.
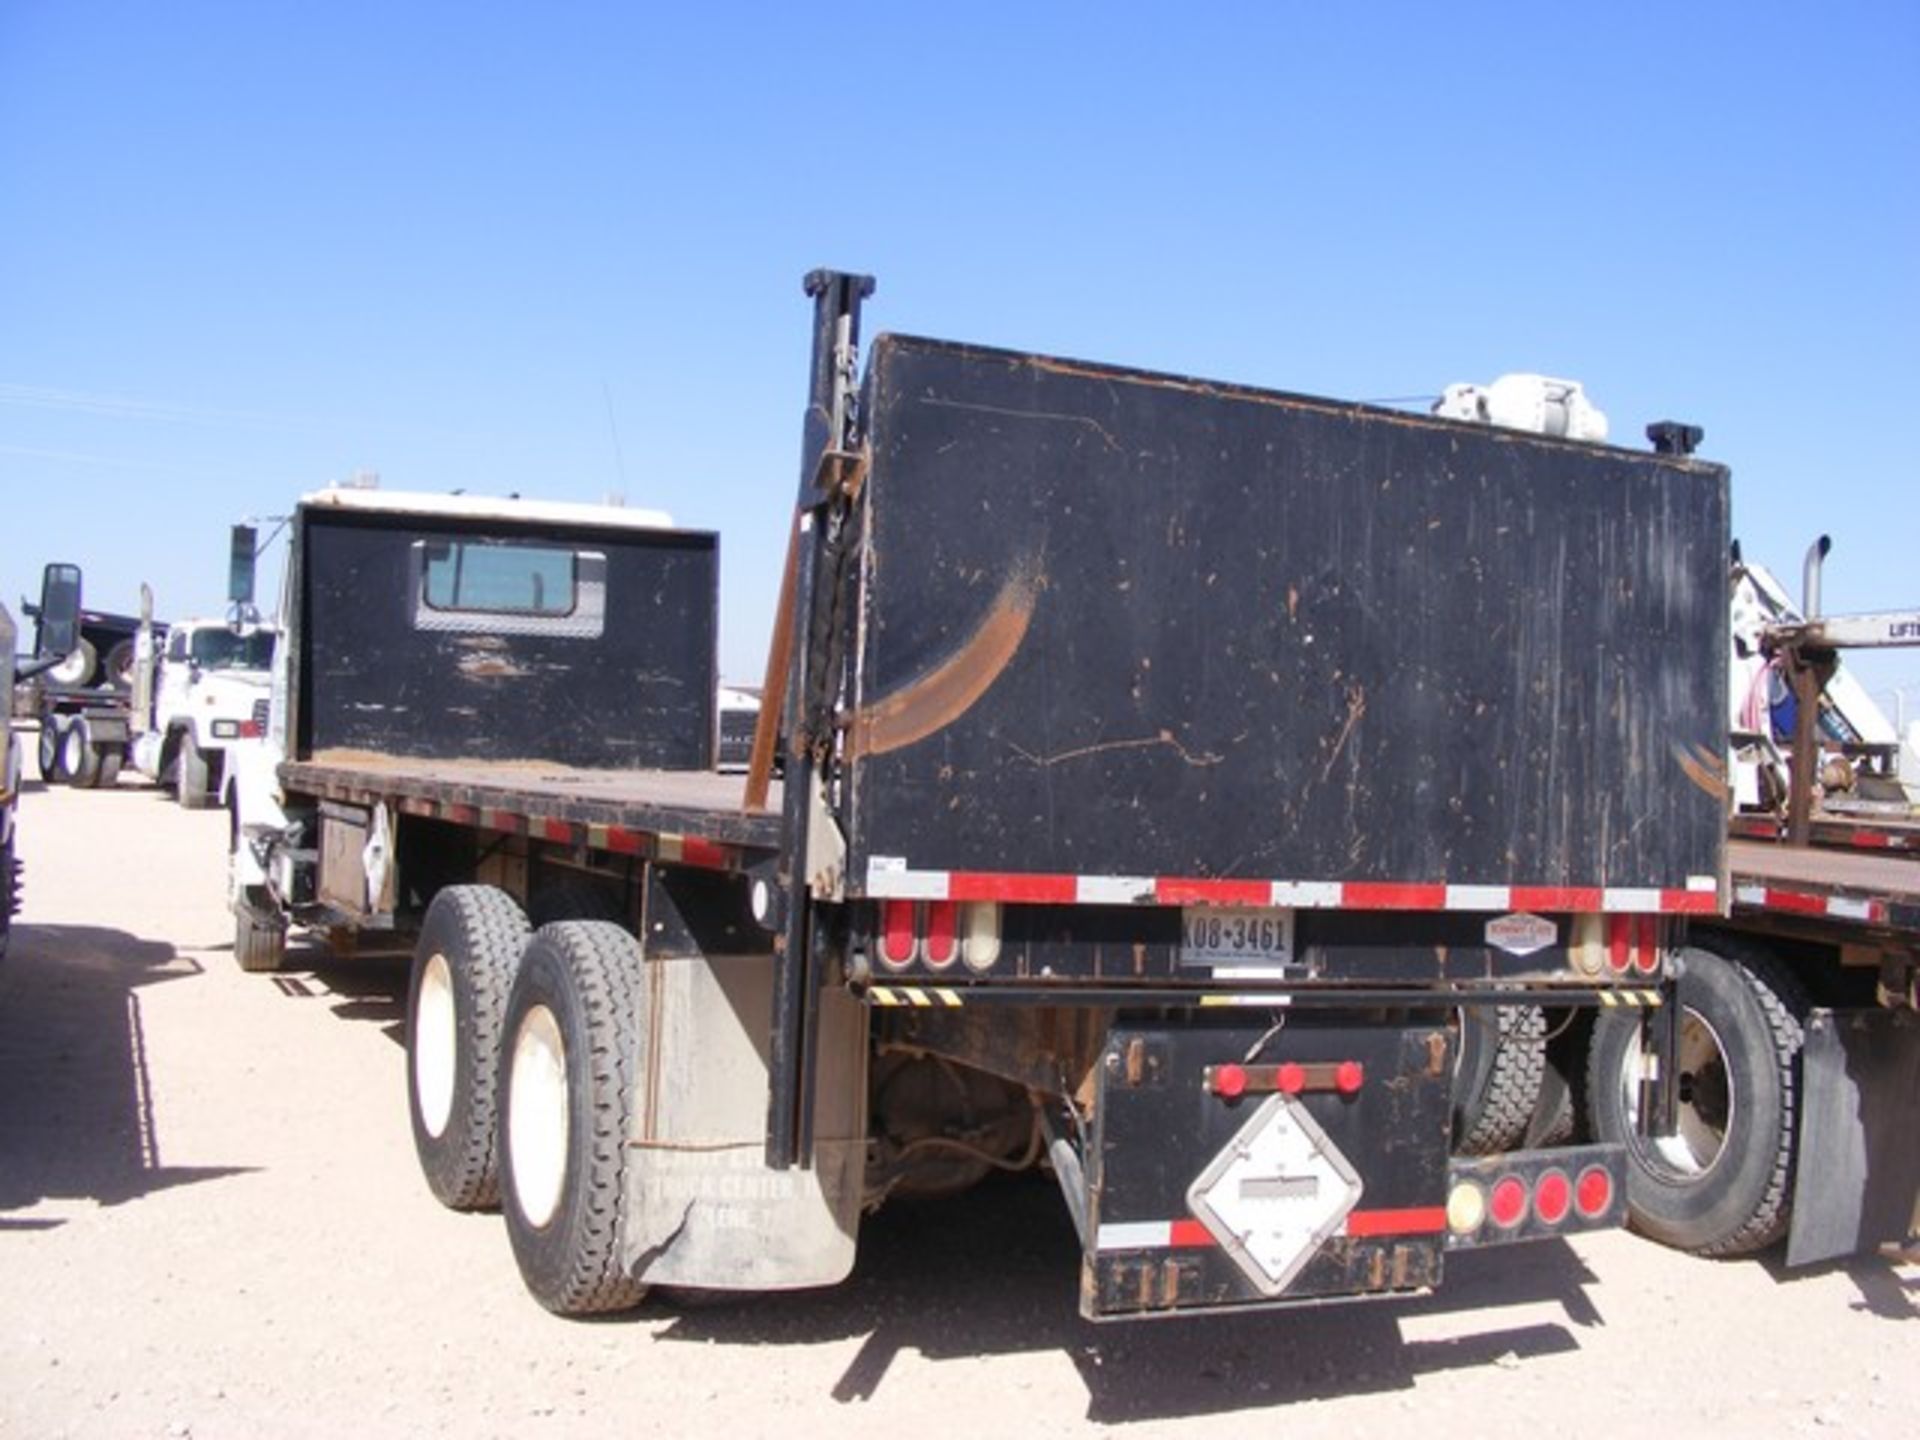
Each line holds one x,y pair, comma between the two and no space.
211,1226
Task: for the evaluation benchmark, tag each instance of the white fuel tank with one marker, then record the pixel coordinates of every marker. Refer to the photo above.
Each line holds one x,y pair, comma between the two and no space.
1527,402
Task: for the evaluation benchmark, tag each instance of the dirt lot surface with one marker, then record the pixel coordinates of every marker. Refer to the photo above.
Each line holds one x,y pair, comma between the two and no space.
211,1226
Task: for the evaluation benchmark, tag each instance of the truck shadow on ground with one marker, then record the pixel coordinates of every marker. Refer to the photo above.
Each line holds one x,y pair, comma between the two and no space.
76,1109
369,988
1884,1291
994,1271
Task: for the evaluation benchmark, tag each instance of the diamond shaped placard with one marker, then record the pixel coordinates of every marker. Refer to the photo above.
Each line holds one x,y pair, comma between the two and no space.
1275,1194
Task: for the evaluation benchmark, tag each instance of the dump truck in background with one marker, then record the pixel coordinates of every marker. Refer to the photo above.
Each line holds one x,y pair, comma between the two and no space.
1169,767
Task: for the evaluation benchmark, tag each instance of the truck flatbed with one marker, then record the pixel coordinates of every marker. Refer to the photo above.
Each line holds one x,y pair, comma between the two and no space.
537,796
1879,890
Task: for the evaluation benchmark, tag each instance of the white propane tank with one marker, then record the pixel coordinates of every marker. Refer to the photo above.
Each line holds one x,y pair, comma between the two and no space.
1527,402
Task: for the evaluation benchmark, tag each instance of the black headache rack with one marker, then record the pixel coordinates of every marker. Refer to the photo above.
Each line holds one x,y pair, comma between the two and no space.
1082,658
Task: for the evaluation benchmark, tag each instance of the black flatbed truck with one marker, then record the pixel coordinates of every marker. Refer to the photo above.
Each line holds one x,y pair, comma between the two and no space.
1148,810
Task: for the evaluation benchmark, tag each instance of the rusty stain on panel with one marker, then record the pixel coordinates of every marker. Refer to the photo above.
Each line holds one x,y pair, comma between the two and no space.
1701,766
946,692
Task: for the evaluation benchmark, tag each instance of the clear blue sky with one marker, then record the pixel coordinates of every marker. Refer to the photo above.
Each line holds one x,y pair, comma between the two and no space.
250,248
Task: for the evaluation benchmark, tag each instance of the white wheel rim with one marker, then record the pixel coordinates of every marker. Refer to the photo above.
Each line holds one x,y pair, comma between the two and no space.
1704,1115
75,755
436,1039
537,1116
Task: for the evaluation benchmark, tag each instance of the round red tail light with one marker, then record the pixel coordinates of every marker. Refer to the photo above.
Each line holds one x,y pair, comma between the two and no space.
1593,1192
1290,1078
1229,1081
1552,1195
1508,1203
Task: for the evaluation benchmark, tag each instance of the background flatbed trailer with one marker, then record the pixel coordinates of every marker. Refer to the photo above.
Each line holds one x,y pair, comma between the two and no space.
1873,887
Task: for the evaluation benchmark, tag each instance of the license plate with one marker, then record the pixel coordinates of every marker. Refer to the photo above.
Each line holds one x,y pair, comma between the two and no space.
1250,943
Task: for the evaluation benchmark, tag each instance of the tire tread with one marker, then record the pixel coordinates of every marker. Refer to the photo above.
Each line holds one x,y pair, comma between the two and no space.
491,931
604,970
1784,1004
1497,1119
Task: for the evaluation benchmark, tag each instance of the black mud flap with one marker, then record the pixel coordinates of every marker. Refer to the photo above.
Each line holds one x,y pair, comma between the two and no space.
1859,1168
1236,1166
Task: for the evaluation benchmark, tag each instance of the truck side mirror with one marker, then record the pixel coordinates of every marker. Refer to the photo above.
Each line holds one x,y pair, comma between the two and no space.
240,566
57,627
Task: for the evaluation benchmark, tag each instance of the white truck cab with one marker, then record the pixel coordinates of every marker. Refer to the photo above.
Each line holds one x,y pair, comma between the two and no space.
210,690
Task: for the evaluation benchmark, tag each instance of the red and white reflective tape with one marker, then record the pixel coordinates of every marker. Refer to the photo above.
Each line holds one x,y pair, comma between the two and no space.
618,839
1192,1235
1827,833
1800,902
890,878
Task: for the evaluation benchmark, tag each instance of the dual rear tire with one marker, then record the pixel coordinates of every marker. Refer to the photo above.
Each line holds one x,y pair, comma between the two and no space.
523,1048
1722,1182
68,755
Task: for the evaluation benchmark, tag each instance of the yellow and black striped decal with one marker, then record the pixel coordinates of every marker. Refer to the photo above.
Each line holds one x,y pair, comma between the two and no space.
1630,999
911,996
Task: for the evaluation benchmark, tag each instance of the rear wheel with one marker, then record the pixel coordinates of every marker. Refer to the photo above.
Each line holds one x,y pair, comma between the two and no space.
51,733
259,934
463,967
1722,1182
192,777
79,761
573,1050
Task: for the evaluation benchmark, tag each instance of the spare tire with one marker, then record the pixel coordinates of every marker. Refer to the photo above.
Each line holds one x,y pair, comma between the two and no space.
119,665
76,668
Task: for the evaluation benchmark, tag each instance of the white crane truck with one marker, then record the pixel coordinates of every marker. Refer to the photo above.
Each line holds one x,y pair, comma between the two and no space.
1793,1057
1169,766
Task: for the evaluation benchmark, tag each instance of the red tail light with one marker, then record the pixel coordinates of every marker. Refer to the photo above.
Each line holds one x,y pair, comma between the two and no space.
1646,945
943,923
1620,943
1593,1192
1508,1203
1230,1081
896,932
1552,1196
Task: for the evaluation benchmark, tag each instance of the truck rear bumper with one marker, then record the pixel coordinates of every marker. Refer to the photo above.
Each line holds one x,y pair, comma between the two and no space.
1237,1166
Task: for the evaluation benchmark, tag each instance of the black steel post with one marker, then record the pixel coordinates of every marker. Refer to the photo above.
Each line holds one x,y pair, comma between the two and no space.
836,338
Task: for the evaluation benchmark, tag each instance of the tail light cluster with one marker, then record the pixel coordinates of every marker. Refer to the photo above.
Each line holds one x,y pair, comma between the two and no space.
936,935
1529,1195
1618,947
